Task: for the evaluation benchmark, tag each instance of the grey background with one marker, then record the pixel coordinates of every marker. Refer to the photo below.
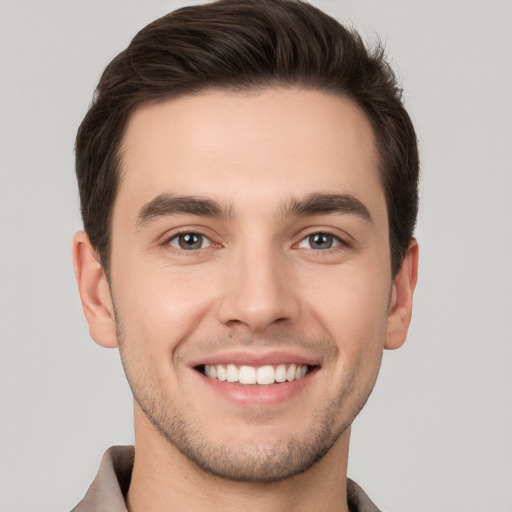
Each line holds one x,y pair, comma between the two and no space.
436,434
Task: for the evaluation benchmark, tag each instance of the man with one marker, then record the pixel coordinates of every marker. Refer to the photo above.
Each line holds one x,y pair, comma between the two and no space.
248,183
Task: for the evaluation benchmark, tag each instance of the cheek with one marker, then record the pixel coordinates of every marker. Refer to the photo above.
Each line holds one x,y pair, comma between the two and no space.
352,306
159,305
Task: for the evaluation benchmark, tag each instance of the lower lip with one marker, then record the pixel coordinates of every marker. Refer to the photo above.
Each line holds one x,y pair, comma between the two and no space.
257,395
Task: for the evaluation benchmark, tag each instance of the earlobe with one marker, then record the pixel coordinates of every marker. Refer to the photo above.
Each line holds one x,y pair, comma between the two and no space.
94,292
400,312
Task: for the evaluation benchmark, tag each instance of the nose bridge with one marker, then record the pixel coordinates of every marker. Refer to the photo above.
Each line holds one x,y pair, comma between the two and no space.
259,291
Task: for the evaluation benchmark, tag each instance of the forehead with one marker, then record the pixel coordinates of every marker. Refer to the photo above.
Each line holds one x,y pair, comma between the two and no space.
249,148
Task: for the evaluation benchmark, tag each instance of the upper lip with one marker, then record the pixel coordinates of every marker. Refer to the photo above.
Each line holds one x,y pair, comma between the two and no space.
247,358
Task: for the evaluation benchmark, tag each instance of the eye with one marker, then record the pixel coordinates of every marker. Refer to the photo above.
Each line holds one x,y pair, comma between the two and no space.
320,242
189,241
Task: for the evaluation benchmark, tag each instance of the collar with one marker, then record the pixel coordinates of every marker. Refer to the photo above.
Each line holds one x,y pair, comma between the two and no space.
107,492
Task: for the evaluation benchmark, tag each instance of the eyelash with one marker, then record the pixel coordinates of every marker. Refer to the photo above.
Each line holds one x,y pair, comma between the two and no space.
176,236
335,240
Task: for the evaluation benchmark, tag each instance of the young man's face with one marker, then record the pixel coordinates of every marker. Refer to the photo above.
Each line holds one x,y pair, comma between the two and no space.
250,243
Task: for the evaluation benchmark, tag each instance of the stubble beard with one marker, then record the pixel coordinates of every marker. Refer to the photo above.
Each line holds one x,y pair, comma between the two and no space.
250,461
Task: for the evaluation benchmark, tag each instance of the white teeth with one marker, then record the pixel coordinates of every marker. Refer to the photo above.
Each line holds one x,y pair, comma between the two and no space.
250,375
300,372
281,373
231,373
266,375
247,375
290,374
221,372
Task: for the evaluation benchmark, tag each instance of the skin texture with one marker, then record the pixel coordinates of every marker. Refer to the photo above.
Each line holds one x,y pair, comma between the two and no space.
258,289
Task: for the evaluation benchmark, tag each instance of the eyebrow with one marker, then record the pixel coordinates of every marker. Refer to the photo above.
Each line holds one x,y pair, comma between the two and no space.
168,204
315,204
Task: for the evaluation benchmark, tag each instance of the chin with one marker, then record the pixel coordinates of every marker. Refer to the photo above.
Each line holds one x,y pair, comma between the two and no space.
256,456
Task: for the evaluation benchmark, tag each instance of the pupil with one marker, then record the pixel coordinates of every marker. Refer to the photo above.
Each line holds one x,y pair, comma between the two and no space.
190,241
321,241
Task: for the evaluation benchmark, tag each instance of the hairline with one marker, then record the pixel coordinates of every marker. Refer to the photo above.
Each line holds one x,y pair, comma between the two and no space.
241,89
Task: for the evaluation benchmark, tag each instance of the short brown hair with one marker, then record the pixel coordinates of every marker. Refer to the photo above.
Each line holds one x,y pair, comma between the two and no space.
242,45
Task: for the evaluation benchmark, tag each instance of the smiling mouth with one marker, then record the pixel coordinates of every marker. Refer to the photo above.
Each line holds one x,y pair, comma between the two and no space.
255,375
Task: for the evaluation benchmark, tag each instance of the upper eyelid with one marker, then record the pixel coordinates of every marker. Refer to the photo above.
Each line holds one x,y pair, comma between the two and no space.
341,241
167,239
196,230
342,235
177,235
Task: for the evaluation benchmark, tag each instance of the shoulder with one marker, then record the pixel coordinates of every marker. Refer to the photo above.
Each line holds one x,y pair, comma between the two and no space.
358,500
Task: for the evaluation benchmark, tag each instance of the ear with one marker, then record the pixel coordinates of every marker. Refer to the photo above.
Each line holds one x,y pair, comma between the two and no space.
94,292
400,312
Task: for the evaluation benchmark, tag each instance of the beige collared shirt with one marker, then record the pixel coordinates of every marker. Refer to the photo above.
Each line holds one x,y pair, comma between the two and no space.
106,493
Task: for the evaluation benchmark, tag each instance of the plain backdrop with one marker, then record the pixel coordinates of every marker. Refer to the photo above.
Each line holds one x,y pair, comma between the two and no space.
436,435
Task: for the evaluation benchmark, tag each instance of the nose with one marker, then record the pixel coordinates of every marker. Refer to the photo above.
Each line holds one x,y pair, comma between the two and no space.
259,292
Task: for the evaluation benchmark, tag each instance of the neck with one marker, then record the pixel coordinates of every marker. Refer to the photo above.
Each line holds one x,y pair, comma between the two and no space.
163,479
